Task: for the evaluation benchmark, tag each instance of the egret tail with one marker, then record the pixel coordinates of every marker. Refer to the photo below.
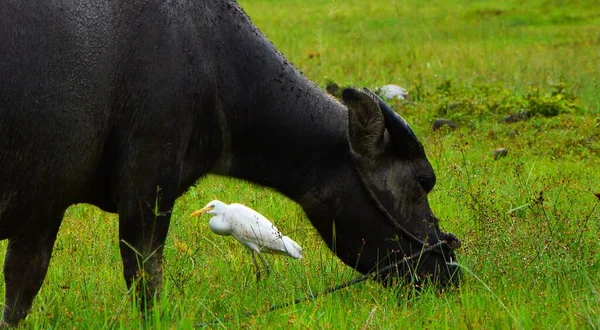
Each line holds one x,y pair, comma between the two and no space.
293,249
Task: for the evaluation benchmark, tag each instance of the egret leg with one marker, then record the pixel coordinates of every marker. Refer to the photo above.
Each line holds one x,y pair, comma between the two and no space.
256,265
264,262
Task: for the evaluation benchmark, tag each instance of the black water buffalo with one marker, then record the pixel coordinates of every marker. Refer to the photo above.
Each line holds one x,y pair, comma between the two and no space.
124,104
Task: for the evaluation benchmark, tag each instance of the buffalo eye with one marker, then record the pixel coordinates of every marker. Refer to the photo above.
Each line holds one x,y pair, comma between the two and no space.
427,182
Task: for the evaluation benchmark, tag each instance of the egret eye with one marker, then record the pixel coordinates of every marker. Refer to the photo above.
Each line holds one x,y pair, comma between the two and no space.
427,182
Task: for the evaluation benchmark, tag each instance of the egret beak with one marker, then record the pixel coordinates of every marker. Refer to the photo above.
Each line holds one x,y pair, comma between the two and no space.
202,211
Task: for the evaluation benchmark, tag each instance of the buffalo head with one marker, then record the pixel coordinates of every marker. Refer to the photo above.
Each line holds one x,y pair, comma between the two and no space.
378,202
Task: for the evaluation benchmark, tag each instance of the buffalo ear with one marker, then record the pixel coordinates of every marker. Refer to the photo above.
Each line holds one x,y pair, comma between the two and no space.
365,123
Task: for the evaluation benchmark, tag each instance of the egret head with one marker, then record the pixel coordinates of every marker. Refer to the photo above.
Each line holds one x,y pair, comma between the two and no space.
378,199
215,207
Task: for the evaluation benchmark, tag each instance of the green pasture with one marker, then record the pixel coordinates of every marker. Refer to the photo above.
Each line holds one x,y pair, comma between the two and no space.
529,222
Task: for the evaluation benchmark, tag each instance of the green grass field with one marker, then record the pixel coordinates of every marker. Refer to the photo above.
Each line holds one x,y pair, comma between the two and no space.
528,222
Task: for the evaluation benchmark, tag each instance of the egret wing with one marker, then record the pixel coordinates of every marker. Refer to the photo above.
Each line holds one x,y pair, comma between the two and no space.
253,230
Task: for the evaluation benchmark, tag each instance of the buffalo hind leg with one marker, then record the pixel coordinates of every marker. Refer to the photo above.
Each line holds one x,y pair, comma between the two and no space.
142,234
25,266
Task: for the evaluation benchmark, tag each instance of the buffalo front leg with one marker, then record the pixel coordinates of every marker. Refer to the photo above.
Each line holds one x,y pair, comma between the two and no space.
142,233
25,266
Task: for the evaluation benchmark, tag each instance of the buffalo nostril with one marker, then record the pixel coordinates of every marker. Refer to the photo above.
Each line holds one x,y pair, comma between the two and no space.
453,242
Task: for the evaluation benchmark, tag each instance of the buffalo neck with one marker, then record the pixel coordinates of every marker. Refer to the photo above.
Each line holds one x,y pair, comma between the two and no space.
278,129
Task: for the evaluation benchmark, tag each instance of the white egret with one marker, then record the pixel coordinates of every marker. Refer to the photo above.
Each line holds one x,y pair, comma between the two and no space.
251,229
